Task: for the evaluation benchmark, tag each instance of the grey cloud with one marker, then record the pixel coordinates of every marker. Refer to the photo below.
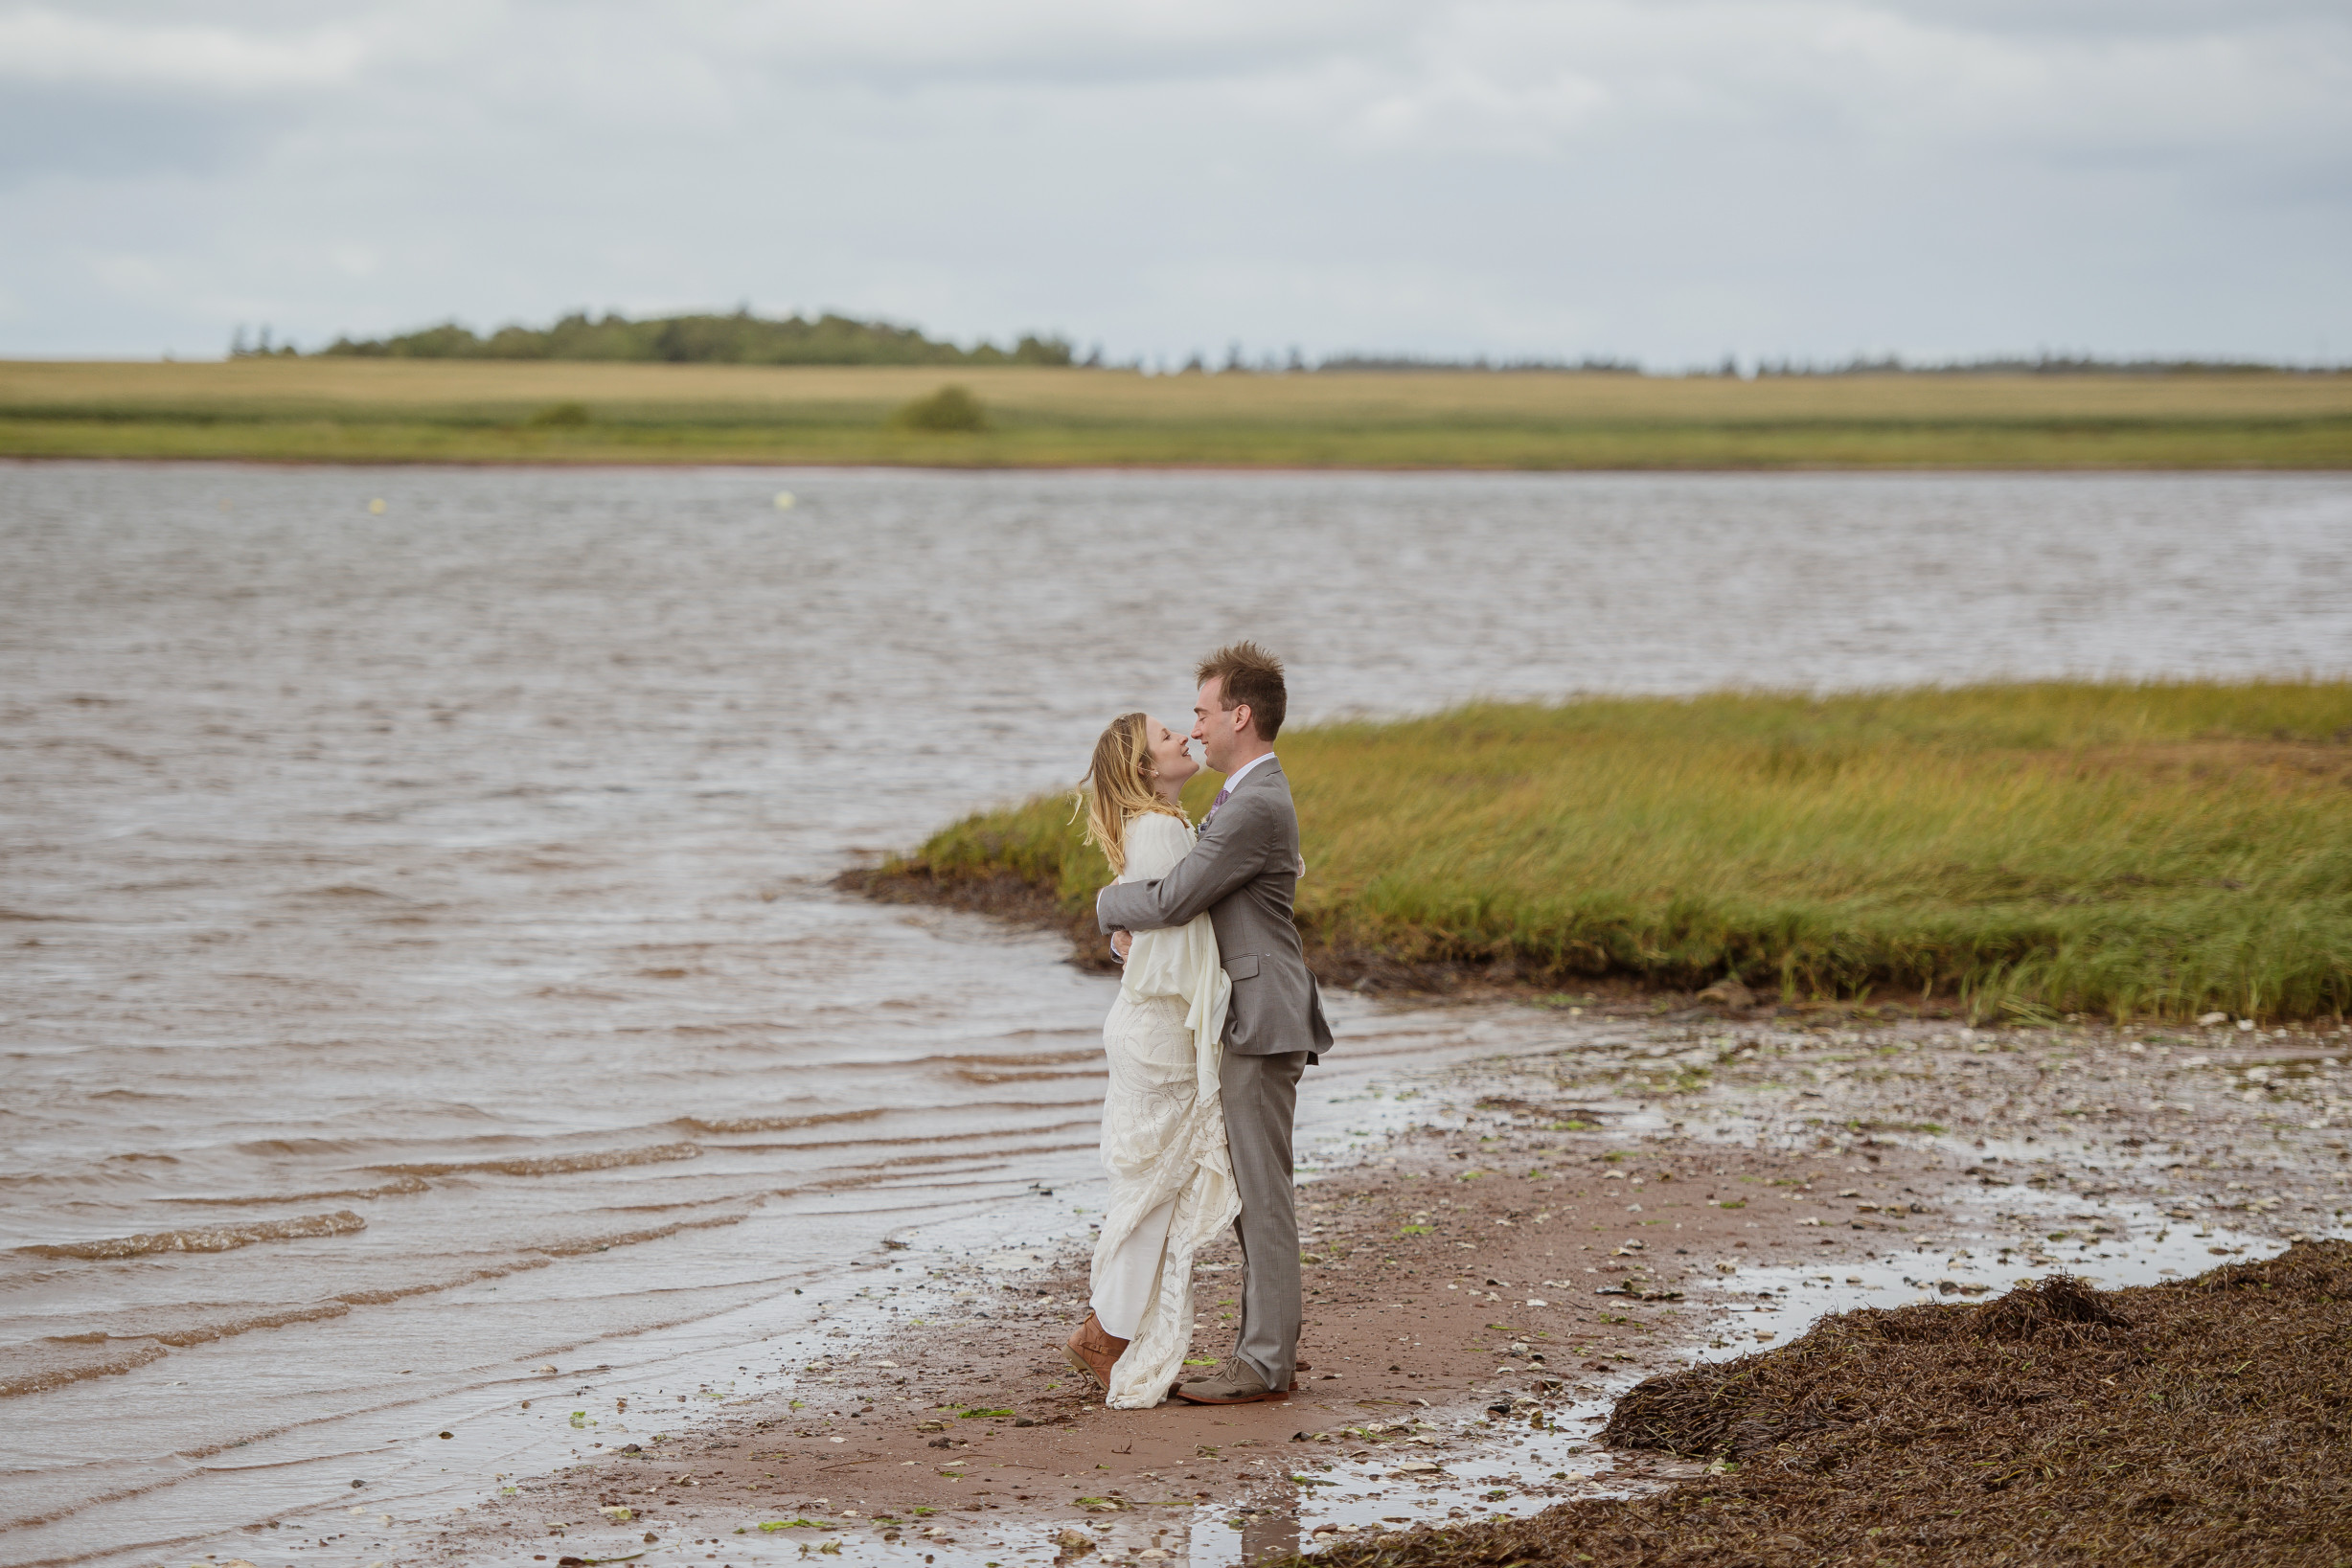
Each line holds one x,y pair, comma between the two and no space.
1670,179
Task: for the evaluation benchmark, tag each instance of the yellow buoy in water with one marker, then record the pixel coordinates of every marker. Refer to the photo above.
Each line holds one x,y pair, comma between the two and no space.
784,500
376,506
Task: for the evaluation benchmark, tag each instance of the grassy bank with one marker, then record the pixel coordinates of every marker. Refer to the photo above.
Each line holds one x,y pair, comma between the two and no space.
2202,1422
2014,850
370,410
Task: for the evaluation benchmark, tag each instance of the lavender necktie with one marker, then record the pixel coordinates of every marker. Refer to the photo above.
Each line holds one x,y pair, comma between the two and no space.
1213,806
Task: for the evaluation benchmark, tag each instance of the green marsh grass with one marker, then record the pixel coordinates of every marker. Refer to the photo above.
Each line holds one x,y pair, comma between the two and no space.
354,410
2011,850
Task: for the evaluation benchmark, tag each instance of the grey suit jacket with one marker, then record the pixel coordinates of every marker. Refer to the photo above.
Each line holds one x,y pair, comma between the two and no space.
1245,873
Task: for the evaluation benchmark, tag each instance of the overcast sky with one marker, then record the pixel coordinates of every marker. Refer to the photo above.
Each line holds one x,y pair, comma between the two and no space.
1669,180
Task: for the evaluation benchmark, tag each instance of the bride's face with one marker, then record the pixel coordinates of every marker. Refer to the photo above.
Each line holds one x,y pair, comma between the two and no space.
1172,761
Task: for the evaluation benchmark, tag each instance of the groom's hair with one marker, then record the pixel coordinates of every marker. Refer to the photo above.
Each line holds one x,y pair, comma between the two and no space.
1246,673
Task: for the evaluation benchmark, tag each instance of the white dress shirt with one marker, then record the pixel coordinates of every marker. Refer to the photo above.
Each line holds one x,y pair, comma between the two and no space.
1233,780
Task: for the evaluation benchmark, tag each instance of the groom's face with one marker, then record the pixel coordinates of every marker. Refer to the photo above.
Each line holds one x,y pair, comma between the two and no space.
1216,727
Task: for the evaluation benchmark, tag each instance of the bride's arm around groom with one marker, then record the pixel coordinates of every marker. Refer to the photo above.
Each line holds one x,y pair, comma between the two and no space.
1244,875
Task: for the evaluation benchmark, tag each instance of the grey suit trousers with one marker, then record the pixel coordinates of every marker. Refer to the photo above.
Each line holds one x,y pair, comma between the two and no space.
1261,1099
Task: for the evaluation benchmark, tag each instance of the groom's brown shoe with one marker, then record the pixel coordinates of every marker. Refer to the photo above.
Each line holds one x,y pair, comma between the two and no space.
1092,1350
1236,1382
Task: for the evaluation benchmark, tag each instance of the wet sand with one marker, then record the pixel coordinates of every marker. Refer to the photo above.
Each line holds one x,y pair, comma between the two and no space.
1702,1168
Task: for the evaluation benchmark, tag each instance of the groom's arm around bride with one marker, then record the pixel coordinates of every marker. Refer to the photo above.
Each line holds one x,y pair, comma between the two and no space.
1243,873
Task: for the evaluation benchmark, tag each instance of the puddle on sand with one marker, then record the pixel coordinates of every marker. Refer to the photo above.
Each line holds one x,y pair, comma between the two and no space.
1763,1307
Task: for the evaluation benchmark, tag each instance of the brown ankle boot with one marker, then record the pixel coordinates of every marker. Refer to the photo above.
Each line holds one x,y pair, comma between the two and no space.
1093,1351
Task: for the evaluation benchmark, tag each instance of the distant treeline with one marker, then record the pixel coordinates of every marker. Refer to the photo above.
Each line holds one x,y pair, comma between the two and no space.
1890,365
738,339
2043,364
744,338
1360,363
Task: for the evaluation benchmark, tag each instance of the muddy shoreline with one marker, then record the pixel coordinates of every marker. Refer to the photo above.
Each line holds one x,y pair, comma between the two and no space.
1607,1211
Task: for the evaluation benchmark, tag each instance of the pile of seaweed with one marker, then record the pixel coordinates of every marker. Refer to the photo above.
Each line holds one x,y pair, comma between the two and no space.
2207,1421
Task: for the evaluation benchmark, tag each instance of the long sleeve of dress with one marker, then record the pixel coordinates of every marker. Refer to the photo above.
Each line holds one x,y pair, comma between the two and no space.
1177,960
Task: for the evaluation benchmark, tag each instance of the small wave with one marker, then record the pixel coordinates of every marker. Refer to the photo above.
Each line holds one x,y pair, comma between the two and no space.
974,1074
206,1333
923,1140
974,1160
400,1187
1031,1058
138,1350
205,1238
113,1366
630,1239
386,1296
554,1165
776,1124
296,1146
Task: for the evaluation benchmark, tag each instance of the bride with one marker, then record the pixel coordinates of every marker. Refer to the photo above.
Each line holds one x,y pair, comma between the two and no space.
1172,1185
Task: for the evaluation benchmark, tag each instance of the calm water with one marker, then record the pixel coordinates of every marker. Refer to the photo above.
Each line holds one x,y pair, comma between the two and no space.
418,959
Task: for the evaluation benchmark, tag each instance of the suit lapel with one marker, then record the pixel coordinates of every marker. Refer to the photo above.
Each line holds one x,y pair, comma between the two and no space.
1272,765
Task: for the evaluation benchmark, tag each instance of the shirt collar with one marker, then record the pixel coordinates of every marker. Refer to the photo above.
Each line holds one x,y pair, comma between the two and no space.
1233,780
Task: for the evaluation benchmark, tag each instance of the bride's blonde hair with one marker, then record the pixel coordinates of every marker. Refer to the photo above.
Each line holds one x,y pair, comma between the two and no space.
1118,785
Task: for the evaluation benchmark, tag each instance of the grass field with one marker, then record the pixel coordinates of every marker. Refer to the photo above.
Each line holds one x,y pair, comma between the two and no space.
412,411
2018,851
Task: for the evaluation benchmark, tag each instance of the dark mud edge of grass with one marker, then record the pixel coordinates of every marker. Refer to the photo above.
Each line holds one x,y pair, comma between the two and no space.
1342,965
2206,1421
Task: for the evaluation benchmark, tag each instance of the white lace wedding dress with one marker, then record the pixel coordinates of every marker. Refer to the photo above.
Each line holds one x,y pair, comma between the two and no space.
1172,1185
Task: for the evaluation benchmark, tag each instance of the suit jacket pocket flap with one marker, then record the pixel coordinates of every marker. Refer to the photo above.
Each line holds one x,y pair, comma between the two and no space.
1243,968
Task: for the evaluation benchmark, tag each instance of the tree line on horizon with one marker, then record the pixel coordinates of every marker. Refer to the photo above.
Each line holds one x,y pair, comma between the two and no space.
744,338
740,338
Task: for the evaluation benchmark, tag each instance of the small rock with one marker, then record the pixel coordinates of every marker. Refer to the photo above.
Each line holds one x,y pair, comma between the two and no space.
2210,1019
1728,992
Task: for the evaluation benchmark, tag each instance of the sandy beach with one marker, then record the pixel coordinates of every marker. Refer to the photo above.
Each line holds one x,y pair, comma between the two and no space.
1481,1288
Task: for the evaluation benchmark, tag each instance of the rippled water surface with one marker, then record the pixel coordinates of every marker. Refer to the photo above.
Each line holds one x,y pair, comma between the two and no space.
418,963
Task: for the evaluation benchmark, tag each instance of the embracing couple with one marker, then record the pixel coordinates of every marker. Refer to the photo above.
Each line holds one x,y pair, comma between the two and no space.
1217,1018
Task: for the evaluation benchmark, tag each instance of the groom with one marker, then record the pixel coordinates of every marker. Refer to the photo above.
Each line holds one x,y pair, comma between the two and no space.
1243,873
